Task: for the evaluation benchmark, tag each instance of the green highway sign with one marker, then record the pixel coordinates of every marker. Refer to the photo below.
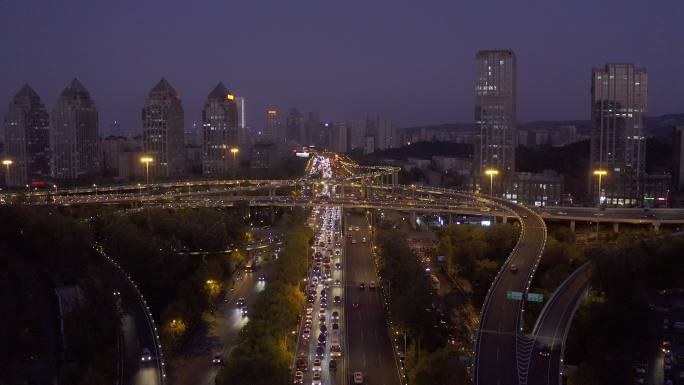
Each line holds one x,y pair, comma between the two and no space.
514,295
534,297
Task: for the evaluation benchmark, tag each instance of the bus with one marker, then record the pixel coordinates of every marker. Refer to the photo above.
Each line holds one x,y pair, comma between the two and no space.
335,348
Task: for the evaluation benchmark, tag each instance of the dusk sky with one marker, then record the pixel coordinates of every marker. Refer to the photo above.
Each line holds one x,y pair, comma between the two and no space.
411,59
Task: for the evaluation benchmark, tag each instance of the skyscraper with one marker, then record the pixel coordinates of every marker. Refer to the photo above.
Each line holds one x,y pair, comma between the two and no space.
74,134
495,110
219,132
271,133
313,129
619,99
163,134
338,140
27,138
384,132
294,127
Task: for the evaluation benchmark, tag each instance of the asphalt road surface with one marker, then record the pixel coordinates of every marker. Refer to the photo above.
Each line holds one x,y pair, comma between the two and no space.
217,334
500,324
552,328
369,346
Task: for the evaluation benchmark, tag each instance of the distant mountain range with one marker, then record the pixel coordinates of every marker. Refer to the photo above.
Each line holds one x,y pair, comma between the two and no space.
655,125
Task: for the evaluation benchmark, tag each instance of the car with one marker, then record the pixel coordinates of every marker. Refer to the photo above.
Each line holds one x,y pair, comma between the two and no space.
317,365
335,326
324,304
262,278
362,286
335,316
320,351
363,240
598,214
298,377
561,213
240,302
145,356
350,228
355,305
243,311
357,228
323,328
371,286
316,379
332,365
524,216
514,268
353,241
302,362
217,360
337,299
358,377
337,283
338,266
544,353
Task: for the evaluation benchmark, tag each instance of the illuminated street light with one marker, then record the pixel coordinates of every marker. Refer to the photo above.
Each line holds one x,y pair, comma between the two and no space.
7,163
600,174
491,172
147,160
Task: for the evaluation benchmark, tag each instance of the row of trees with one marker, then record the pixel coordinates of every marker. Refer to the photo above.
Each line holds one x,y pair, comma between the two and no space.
40,250
155,246
429,360
611,332
265,349
474,253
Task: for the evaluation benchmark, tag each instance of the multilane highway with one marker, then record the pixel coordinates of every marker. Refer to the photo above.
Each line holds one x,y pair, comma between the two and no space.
370,348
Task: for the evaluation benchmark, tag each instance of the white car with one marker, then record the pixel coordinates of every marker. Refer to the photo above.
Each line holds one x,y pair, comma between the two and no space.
316,379
317,365
358,377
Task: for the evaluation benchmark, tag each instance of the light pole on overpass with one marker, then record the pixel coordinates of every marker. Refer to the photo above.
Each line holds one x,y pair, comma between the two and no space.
147,160
600,174
491,172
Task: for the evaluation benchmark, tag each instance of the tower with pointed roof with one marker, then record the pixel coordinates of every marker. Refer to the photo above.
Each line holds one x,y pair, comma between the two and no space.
220,132
163,134
74,135
27,138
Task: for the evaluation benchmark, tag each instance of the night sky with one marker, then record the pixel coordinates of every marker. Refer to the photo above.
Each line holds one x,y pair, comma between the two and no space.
344,59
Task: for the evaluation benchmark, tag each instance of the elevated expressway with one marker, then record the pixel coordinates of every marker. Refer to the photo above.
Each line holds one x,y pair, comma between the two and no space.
504,355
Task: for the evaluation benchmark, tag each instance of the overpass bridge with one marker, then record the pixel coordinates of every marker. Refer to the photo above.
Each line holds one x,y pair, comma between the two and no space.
504,355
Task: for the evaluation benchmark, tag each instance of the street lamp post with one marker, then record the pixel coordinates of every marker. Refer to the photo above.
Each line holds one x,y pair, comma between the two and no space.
235,151
491,173
600,174
147,160
7,163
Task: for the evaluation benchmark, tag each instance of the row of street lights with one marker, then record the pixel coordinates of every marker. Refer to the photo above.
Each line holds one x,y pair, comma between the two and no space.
491,172
144,159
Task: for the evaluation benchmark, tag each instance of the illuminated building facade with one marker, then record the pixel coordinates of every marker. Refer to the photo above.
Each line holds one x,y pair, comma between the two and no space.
163,134
27,138
495,110
74,135
220,132
619,101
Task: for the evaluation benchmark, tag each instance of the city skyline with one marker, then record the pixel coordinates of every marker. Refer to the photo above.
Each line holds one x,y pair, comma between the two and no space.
430,85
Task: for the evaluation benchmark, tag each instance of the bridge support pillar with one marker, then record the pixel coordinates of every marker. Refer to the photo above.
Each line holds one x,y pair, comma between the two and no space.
272,214
413,219
572,226
271,191
656,227
504,219
395,178
616,227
